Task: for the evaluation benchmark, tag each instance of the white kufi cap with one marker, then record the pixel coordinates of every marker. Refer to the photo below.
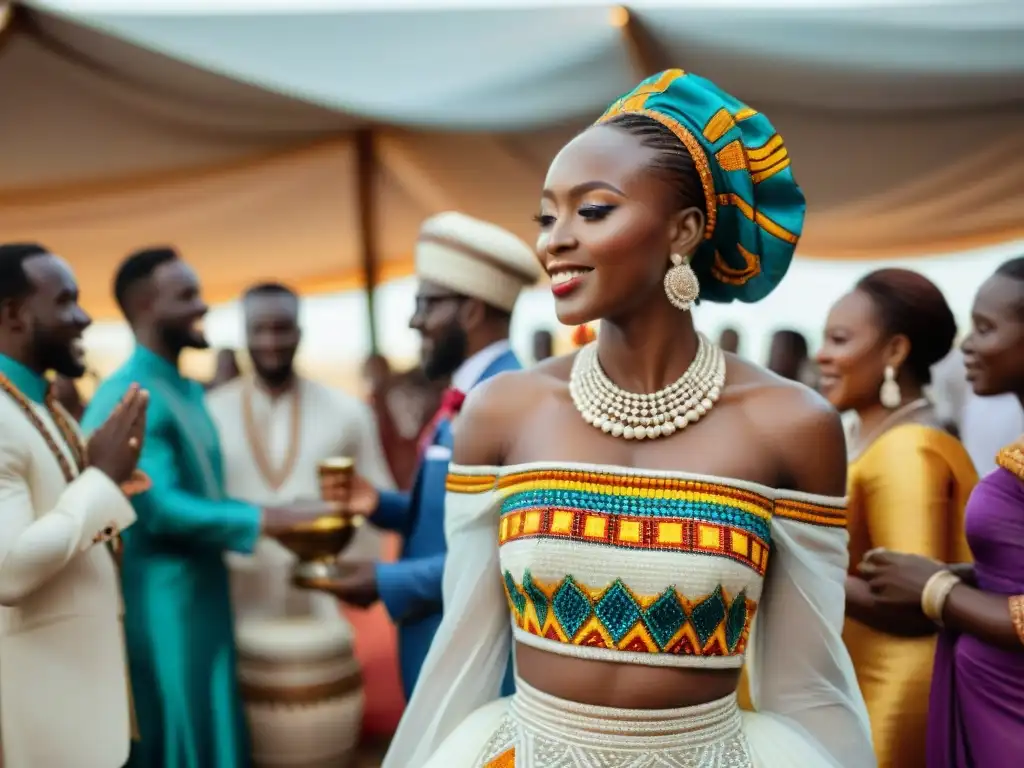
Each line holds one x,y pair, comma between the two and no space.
475,258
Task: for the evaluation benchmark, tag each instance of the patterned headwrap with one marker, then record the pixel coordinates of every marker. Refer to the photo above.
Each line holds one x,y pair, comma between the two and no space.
754,208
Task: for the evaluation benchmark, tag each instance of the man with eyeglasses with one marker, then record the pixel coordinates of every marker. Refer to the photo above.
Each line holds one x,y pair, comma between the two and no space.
470,274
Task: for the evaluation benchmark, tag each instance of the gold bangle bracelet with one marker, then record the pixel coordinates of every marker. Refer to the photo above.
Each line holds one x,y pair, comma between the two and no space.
1017,615
935,592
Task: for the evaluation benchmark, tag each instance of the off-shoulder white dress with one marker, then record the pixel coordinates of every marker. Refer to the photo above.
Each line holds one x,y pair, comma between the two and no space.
641,567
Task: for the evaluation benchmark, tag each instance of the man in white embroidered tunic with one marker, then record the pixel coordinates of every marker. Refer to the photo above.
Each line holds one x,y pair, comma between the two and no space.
275,427
64,697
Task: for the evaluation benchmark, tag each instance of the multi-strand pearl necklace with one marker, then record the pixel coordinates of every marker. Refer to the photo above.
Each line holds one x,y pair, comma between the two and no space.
647,416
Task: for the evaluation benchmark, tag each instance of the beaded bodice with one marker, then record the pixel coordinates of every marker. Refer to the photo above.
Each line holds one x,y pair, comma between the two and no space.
626,565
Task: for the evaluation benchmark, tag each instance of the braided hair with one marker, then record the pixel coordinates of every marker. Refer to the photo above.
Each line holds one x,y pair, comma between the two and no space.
673,160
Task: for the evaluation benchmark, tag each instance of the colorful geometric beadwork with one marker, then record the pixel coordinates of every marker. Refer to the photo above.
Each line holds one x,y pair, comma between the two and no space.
458,482
638,513
618,619
674,534
1011,458
830,516
506,759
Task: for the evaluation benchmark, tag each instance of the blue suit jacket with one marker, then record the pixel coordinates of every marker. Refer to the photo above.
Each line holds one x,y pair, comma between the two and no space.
411,588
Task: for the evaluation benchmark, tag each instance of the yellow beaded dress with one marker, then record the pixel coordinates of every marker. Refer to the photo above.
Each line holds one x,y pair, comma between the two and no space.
907,493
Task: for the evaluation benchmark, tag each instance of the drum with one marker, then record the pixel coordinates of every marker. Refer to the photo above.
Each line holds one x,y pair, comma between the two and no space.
303,691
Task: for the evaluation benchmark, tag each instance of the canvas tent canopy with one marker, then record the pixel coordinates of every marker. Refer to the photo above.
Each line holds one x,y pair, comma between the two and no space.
307,142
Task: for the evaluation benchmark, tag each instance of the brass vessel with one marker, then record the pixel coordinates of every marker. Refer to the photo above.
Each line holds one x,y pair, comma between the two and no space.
318,543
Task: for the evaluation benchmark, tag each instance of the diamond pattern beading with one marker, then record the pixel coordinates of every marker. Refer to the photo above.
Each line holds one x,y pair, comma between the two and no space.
515,597
736,621
572,607
537,597
618,611
707,615
616,618
665,618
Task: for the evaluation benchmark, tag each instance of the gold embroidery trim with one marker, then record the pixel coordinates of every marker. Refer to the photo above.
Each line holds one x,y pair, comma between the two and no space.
1011,458
1017,615
758,218
719,125
458,483
732,157
730,275
767,149
757,178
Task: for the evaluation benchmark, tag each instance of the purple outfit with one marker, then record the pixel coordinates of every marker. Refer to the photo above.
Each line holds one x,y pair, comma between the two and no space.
976,711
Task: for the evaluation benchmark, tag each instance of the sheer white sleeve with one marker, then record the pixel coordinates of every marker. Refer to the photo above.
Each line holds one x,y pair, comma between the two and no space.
467,659
800,672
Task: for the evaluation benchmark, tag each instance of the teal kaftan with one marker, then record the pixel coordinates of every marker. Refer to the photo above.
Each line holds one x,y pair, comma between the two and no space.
178,619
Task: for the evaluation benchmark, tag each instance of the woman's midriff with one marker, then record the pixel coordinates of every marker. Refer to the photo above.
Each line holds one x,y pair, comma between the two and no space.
623,686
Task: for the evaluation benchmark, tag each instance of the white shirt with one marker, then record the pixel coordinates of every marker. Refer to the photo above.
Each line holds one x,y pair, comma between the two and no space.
468,374
331,424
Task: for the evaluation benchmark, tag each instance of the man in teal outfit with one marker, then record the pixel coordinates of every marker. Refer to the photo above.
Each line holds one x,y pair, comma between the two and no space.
178,618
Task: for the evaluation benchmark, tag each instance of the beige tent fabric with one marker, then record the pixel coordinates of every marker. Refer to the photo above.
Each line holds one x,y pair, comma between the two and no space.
106,147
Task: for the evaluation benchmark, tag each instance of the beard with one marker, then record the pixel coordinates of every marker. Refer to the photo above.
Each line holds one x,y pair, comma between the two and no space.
60,358
448,354
177,339
275,376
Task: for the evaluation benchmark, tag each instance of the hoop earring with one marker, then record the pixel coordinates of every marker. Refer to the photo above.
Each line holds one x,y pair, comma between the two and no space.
890,395
681,284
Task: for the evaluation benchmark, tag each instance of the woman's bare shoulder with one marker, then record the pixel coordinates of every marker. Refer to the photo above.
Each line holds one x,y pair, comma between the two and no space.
521,386
494,408
796,423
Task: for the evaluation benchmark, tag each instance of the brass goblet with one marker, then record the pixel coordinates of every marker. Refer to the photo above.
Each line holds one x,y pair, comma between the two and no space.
318,543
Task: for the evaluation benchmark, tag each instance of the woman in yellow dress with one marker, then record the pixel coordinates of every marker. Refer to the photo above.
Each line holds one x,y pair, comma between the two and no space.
908,484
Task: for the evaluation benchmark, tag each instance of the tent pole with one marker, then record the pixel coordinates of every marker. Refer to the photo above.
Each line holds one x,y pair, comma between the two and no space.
366,166
11,16
645,53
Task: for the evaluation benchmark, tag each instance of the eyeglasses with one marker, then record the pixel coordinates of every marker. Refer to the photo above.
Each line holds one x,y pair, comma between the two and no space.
426,303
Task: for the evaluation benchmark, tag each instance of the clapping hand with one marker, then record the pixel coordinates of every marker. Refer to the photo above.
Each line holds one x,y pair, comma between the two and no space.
115,447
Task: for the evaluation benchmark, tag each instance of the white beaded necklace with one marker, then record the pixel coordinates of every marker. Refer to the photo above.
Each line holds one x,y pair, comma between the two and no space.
635,416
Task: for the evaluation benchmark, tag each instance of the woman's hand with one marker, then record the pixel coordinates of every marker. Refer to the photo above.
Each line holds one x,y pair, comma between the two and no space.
897,579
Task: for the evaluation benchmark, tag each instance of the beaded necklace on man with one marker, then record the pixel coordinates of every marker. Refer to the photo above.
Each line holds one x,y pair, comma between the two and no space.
67,432
274,477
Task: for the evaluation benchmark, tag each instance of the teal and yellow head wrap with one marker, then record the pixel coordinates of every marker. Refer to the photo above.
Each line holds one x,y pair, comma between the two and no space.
754,208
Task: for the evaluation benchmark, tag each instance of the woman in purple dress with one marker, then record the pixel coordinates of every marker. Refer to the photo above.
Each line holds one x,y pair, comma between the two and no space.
976,711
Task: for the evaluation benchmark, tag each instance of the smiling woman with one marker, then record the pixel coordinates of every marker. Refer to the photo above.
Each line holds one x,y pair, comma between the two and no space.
908,484
632,559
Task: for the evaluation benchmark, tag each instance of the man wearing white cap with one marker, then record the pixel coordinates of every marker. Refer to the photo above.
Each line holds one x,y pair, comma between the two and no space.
470,275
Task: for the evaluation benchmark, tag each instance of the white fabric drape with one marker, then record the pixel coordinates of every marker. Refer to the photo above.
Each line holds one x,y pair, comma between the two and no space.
800,672
467,660
231,133
432,66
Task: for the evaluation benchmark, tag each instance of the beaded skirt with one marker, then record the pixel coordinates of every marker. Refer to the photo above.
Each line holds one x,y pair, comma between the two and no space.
541,731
